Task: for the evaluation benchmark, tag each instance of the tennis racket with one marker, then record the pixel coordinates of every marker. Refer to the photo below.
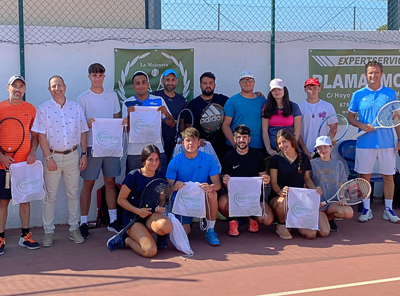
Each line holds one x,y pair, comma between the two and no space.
185,118
335,126
352,192
157,193
12,135
212,117
388,117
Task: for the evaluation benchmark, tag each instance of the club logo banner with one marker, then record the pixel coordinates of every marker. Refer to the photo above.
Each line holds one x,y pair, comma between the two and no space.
153,62
341,72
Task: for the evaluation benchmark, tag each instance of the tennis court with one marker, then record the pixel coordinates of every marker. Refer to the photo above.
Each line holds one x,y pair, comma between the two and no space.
360,259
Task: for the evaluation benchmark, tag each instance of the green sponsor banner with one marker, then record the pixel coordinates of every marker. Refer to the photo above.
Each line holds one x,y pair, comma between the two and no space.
341,72
153,62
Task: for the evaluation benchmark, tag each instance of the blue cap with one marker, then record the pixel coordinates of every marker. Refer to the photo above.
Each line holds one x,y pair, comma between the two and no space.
169,71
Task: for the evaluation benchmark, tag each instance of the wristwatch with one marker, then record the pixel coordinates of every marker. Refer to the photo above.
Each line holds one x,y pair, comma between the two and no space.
84,153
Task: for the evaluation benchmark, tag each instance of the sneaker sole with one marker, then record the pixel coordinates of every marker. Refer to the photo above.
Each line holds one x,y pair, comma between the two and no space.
112,229
252,231
233,235
388,219
213,245
76,241
364,221
30,248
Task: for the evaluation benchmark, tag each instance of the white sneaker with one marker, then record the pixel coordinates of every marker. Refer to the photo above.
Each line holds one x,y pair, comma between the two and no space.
365,216
388,214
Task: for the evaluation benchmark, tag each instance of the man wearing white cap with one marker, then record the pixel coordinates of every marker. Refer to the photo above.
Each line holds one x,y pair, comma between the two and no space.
314,112
244,108
15,107
175,103
329,174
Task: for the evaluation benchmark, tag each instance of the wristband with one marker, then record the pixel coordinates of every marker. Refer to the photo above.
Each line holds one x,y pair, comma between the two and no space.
49,157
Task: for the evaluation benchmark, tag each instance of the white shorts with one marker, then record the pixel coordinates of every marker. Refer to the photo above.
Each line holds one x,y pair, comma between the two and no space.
365,161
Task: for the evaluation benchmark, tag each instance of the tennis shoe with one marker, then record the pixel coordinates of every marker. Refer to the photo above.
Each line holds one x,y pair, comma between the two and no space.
2,245
47,240
76,236
233,228
84,228
333,225
114,227
388,214
212,237
221,217
283,232
116,242
366,215
253,225
28,242
162,241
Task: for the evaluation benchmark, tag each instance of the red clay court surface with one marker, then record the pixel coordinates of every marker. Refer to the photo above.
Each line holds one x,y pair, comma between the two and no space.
360,259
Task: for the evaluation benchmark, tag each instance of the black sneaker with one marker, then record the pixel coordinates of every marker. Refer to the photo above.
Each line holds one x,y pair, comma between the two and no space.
114,227
28,242
84,228
162,241
333,225
2,245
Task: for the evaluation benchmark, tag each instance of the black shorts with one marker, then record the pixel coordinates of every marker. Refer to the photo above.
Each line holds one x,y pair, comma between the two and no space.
126,218
4,193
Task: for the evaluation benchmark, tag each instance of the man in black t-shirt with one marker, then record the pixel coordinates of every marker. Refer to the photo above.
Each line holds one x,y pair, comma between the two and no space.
175,103
243,161
197,105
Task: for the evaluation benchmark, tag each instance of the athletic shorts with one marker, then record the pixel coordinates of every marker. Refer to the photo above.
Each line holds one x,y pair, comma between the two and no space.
111,167
365,161
126,218
4,193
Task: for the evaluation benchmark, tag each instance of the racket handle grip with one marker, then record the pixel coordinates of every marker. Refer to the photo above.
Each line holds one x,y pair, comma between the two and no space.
324,203
359,135
7,183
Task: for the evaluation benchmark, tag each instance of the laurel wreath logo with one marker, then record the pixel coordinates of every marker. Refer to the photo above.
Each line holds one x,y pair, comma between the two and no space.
129,64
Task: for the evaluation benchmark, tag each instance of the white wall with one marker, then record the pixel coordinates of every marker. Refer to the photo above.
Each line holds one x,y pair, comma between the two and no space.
224,59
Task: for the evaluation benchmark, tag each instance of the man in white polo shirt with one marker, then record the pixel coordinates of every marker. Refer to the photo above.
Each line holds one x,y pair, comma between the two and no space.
61,127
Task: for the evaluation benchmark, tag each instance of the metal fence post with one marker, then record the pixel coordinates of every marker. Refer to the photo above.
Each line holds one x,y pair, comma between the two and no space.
272,39
393,15
21,39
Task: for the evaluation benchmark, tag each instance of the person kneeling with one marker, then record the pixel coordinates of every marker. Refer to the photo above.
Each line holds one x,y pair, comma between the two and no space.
139,235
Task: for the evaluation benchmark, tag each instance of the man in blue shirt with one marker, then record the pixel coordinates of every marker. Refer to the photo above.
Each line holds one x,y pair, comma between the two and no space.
376,144
196,166
244,108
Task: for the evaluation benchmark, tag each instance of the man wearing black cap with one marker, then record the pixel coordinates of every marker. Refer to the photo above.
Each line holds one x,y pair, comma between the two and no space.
17,108
175,103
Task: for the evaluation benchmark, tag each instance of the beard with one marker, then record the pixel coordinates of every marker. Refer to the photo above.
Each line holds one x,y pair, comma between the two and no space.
207,93
242,146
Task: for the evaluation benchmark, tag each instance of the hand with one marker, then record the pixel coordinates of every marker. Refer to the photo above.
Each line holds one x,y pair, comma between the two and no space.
163,111
266,179
202,142
6,160
178,185
144,212
367,127
343,202
90,121
319,190
31,158
83,163
131,109
283,192
225,179
398,147
321,205
260,94
271,152
51,165
125,121
207,188
160,210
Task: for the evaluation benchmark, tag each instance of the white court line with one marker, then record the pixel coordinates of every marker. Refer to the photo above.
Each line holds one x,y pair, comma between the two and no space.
334,287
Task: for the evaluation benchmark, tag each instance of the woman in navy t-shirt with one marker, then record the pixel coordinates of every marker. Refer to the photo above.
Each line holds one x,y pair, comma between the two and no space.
139,235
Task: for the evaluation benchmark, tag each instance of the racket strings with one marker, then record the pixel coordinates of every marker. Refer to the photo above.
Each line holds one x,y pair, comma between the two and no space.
355,191
390,115
12,135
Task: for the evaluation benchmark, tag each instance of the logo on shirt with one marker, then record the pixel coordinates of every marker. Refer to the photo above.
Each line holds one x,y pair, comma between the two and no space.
153,104
235,166
322,115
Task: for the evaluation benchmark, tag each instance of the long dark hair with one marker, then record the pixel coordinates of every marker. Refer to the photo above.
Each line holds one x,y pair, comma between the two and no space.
271,107
292,139
149,149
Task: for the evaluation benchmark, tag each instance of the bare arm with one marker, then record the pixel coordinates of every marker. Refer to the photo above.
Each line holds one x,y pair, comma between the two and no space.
265,135
44,144
123,202
226,128
351,117
304,147
310,184
297,127
31,158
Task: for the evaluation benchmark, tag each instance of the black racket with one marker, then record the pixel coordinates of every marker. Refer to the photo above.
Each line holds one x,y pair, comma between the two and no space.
12,135
157,193
212,117
185,118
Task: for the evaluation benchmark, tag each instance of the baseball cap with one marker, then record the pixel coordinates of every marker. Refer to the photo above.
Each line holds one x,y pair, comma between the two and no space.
312,81
15,77
169,71
140,73
276,83
246,74
323,140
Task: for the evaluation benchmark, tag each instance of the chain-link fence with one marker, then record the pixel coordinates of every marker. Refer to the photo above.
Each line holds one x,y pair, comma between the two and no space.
142,21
